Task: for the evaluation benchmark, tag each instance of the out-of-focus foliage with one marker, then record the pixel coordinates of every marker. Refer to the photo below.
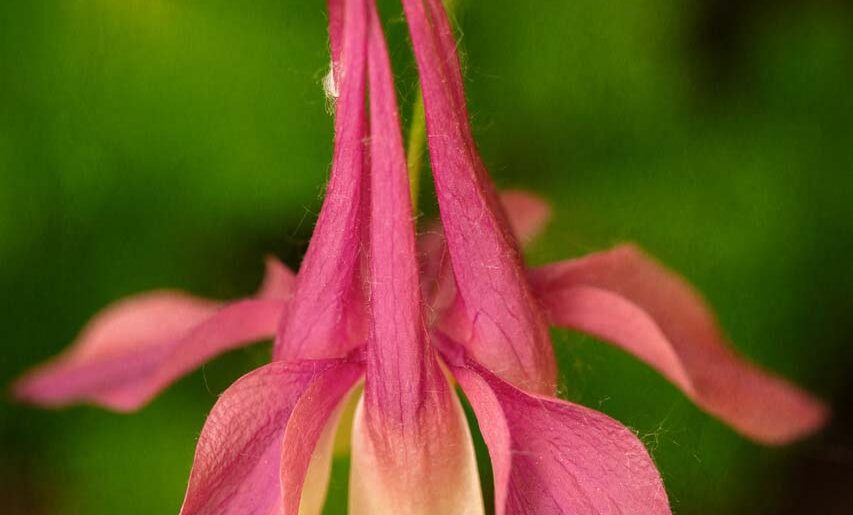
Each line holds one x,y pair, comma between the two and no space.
172,142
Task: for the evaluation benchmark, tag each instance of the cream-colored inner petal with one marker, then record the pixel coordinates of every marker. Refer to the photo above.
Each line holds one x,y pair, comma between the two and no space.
435,476
317,478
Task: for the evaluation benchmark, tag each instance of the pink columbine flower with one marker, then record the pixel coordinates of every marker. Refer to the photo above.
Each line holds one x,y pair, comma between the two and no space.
363,309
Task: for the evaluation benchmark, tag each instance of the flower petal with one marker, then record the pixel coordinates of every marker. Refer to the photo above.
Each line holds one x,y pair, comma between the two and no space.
505,329
278,281
527,215
336,29
139,346
625,297
304,487
323,320
239,461
551,456
431,470
412,452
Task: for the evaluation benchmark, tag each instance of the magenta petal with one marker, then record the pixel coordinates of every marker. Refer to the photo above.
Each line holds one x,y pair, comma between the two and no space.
527,214
324,308
551,456
126,377
139,346
505,330
312,425
397,349
278,281
625,297
411,449
238,459
335,9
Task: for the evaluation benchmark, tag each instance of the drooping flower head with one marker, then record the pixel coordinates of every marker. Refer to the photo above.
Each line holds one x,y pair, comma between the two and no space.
364,309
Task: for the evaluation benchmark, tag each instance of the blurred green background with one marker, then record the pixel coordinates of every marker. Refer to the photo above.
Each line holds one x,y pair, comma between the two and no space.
171,143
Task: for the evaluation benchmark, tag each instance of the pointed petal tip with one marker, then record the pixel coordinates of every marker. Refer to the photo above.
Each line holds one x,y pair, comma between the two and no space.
791,413
43,387
26,390
527,213
134,349
804,417
626,297
278,279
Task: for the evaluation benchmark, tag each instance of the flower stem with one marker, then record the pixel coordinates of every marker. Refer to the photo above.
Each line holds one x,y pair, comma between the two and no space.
415,153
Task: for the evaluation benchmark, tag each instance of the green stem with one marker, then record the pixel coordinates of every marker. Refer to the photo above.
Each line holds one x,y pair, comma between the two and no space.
417,142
